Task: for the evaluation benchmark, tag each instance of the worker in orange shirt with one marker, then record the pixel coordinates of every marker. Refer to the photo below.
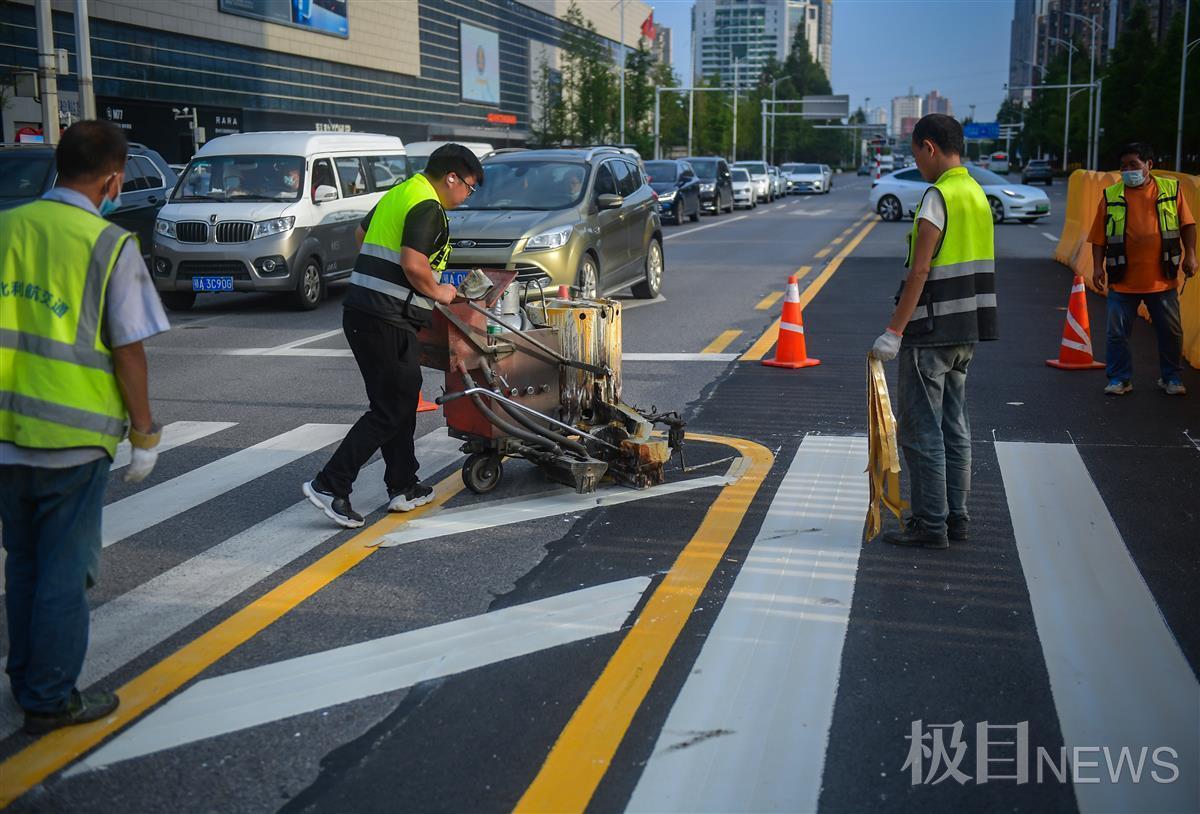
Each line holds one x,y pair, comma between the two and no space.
1144,233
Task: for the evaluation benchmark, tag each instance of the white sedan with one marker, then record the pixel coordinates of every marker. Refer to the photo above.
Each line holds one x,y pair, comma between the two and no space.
897,195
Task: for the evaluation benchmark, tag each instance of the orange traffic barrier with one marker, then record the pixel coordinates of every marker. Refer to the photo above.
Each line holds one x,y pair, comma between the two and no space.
790,350
424,406
1075,352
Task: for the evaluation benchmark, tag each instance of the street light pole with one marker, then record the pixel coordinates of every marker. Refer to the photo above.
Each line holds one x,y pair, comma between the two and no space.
47,73
1093,134
1067,117
1187,46
657,120
735,100
622,69
691,109
83,51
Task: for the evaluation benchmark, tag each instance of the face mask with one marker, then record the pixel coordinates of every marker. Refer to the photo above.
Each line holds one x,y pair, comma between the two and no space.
290,181
1133,178
110,205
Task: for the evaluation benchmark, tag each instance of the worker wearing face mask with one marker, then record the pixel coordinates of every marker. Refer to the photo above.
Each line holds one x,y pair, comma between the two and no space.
1143,234
76,303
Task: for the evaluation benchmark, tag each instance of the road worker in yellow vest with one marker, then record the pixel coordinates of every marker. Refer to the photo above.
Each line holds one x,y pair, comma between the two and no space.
393,290
76,303
947,304
1142,235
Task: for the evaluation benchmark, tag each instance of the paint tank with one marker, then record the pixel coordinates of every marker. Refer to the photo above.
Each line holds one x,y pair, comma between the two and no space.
588,331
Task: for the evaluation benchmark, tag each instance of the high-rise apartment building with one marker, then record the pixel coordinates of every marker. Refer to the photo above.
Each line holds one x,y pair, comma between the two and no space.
906,110
877,115
753,31
936,103
660,48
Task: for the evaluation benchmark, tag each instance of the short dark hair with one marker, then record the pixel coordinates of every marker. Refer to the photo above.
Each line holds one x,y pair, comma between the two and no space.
942,130
1139,148
90,148
454,158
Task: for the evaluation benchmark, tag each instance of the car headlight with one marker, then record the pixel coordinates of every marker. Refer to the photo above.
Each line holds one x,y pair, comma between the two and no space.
275,226
1011,194
707,187
552,239
165,228
667,197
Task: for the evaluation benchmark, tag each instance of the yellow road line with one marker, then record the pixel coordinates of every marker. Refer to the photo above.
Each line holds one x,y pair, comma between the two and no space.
767,301
836,241
721,342
825,251
583,752
36,762
765,342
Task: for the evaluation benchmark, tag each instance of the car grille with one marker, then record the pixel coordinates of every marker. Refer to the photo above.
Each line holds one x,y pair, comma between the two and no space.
224,268
234,231
480,243
191,231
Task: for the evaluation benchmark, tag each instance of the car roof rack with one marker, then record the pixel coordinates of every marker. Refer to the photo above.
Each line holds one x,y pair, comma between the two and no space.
602,148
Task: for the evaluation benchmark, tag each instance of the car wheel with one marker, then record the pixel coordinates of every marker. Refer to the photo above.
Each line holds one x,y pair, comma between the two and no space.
589,276
649,288
997,209
310,288
678,219
178,300
889,208
695,216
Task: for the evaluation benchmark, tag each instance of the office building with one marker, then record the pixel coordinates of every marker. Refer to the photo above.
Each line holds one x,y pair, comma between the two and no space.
660,48
936,103
753,31
417,69
905,108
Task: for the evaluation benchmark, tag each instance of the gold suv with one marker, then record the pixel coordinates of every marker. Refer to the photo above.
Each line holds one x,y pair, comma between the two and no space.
585,218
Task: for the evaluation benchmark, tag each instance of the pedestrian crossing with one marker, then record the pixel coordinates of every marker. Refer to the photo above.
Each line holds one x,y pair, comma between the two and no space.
767,678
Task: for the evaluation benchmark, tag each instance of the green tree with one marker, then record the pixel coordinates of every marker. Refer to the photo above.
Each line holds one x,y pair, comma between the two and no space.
639,98
546,126
590,95
1126,82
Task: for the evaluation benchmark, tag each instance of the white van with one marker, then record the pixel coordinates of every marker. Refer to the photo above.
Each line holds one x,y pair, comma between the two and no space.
999,163
271,212
419,151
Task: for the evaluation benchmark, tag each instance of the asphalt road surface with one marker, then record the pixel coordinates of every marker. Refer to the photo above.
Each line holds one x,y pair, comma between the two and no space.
723,643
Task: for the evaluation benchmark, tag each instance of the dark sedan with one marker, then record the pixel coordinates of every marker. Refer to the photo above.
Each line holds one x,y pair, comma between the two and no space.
716,183
27,171
1038,170
678,190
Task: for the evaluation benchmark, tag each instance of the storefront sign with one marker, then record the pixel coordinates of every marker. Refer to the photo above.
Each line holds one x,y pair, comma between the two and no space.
502,118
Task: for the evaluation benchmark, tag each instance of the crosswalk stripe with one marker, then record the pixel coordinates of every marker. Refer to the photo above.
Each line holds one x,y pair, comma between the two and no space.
765,682
237,701
175,434
131,624
1116,672
149,507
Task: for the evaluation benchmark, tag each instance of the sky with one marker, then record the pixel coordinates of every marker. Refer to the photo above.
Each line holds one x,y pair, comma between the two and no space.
880,47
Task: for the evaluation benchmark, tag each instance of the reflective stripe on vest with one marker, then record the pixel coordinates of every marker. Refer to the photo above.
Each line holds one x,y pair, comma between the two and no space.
1166,207
57,388
958,301
378,266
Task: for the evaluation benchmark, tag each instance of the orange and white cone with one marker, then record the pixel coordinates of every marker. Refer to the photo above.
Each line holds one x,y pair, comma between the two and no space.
1075,352
424,406
790,350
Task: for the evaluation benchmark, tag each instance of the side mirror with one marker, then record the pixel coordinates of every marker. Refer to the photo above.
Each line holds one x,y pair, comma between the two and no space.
610,201
324,194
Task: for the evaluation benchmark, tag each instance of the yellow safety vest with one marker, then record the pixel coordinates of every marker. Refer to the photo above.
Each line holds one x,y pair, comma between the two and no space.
1167,206
958,302
57,387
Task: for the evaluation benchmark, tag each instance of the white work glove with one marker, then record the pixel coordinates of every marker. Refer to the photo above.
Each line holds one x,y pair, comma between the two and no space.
144,453
886,346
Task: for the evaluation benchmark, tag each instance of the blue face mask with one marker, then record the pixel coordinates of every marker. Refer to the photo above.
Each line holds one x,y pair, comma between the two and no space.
1133,178
110,205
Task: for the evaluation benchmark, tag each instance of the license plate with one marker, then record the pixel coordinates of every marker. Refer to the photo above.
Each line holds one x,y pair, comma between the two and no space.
212,284
1042,208
454,278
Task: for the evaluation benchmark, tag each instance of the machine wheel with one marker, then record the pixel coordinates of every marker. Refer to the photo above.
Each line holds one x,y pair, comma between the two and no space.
890,209
650,287
178,300
997,209
589,278
482,472
310,288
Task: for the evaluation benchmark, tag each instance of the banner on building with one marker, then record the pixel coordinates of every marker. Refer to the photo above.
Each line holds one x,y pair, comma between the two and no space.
323,16
479,51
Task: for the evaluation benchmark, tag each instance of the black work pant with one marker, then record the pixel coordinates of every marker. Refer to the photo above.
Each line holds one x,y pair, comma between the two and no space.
389,359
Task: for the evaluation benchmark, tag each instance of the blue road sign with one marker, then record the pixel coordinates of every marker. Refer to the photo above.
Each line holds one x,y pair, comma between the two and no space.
982,130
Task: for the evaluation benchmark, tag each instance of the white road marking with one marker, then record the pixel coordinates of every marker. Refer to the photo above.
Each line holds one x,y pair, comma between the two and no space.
630,304
131,624
1116,672
1049,236
706,226
237,701
756,709
560,501
679,357
175,434
166,500
812,212
281,350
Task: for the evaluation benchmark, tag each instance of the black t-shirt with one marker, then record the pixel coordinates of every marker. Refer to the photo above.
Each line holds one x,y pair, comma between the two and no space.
424,227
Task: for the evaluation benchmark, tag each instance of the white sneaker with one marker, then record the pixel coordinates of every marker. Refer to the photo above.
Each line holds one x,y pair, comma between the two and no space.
337,509
1172,388
417,495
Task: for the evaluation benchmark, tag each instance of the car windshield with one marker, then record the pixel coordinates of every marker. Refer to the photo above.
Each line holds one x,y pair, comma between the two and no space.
755,167
242,178
705,168
416,163
534,184
662,170
804,169
24,176
985,178
740,174
1039,164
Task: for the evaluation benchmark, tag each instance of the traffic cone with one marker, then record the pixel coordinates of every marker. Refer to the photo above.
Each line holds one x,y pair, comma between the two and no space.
1075,352
790,351
424,406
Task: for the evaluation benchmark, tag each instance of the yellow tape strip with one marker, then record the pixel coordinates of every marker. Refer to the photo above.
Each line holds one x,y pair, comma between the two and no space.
584,750
721,342
36,762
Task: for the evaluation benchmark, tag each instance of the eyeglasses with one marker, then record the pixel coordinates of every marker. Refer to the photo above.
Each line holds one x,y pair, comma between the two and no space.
470,189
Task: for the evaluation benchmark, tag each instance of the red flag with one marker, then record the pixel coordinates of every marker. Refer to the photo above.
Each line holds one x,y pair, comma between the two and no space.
649,30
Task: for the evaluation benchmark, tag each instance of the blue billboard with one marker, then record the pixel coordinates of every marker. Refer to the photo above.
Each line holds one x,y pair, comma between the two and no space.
323,16
982,130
